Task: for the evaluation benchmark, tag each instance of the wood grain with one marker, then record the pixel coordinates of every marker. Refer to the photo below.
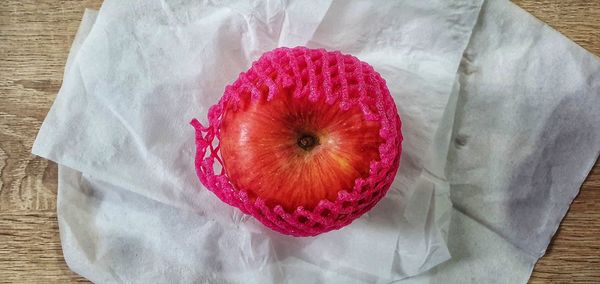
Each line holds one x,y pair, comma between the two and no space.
35,37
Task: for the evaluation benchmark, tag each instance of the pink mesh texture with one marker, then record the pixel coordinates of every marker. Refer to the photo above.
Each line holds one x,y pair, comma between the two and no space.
345,82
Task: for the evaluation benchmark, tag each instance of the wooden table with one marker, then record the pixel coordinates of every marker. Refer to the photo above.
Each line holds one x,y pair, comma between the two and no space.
35,37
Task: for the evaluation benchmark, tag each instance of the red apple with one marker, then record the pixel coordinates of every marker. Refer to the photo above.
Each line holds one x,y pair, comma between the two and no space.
309,141
294,152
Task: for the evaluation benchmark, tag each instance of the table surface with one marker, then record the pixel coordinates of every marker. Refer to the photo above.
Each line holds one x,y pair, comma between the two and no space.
35,37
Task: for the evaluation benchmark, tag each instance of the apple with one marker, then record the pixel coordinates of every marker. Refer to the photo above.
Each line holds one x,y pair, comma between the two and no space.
294,152
308,140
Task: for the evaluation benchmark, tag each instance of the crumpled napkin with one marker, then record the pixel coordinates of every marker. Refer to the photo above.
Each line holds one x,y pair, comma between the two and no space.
131,210
526,134
146,68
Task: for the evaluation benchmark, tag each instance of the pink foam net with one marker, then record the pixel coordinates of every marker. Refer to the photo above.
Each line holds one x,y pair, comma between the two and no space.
344,81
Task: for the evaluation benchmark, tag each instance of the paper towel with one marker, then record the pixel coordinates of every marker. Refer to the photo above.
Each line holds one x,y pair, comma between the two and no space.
106,218
147,67
526,134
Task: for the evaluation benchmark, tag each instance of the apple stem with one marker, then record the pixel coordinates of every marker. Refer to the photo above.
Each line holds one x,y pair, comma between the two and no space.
307,141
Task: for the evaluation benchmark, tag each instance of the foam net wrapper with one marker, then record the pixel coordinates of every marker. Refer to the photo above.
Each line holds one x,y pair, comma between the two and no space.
345,82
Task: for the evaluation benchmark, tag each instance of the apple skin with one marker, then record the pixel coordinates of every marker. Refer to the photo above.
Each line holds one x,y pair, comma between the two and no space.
263,153
305,141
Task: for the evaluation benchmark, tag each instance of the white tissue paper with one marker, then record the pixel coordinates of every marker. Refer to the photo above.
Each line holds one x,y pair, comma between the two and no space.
147,68
132,210
526,135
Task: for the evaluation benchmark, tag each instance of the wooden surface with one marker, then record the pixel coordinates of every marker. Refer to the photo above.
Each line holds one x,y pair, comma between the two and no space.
35,37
